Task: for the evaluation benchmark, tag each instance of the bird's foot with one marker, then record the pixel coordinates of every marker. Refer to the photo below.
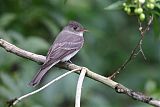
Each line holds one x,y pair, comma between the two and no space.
70,61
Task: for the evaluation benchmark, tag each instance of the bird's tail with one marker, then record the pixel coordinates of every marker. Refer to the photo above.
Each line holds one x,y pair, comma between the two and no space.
44,68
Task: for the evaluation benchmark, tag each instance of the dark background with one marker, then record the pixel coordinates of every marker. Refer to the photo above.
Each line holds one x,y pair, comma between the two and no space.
33,25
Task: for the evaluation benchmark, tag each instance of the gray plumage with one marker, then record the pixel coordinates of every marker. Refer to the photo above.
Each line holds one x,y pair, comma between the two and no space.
69,41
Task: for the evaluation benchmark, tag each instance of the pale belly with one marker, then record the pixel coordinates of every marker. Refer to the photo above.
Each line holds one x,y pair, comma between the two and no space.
69,56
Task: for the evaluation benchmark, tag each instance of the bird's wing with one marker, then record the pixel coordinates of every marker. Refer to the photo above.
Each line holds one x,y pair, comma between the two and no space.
64,45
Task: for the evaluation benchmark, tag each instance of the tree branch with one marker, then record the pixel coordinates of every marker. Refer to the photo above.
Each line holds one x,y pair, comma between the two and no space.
115,85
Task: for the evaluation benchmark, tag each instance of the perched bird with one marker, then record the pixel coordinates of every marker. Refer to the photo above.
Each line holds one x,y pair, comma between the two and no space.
68,42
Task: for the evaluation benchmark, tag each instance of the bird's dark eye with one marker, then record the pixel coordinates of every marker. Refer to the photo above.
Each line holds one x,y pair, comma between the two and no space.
75,27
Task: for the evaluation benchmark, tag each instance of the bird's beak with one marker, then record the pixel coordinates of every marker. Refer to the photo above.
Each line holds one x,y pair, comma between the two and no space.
85,30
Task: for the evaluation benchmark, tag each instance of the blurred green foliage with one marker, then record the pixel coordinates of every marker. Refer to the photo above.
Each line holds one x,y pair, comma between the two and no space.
33,24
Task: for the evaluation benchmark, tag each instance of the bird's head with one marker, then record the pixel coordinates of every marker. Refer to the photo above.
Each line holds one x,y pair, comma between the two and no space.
74,26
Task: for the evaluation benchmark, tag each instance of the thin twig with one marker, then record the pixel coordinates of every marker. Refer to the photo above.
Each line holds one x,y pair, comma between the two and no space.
134,52
141,50
79,87
42,88
142,32
108,82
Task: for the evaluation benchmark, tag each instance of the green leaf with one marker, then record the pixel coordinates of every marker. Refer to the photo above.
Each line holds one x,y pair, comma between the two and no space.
9,82
51,26
5,92
156,27
35,44
4,35
157,5
6,19
114,6
157,11
150,86
16,37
